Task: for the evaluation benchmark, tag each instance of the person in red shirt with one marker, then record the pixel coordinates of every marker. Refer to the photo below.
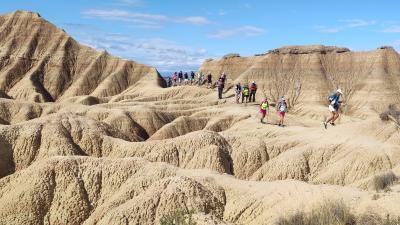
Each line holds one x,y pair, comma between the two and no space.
253,90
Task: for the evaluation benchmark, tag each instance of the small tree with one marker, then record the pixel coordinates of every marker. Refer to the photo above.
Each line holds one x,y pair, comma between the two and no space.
285,76
344,72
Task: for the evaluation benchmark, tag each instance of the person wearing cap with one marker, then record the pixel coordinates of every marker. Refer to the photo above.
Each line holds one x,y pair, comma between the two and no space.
253,90
334,105
282,109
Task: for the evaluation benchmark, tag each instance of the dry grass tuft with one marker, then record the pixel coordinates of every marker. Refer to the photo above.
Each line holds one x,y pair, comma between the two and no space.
383,181
392,114
179,217
327,213
331,212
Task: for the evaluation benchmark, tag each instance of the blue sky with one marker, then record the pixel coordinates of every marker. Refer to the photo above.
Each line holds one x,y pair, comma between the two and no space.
179,35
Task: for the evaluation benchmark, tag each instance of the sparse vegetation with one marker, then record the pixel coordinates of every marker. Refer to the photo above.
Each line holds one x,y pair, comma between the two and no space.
383,181
331,212
231,55
344,72
178,217
286,79
391,115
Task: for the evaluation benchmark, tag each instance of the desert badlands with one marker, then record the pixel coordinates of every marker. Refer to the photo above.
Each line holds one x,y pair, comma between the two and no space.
88,138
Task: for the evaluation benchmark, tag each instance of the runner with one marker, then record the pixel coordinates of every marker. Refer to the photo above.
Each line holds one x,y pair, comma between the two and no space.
238,91
282,109
192,77
186,76
209,80
199,78
245,93
264,107
220,88
180,77
334,106
175,77
253,90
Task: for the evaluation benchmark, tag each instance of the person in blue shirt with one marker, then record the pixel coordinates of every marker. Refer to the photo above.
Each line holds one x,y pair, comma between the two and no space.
334,106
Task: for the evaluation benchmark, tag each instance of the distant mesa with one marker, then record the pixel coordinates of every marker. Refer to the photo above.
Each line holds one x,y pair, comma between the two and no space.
308,49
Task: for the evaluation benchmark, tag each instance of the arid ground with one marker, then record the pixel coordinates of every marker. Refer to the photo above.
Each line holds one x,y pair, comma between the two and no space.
88,138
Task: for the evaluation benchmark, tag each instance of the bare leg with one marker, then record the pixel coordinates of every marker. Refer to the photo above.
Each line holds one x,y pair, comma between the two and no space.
331,118
336,116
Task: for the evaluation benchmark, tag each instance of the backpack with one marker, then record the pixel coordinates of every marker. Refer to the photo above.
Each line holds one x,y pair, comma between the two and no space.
332,98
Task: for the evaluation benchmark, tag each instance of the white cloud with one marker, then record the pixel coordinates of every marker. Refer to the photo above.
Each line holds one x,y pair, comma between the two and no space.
163,54
145,20
358,22
395,29
325,29
346,24
222,12
195,20
248,31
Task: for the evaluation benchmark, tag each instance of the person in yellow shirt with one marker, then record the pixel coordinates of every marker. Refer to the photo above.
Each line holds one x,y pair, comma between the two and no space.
264,107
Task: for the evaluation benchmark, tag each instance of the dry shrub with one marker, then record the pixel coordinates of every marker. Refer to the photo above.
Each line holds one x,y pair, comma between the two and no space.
285,76
342,71
392,114
331,212
178,217
231,55
374,219
383,181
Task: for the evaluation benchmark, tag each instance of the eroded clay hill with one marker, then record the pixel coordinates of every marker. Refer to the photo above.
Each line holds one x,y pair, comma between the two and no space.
123,155
40,62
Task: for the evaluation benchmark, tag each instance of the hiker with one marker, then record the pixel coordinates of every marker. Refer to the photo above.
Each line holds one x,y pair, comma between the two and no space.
334,105
220,84
253,90
282,109
209,80
238,91
186,76
264,107
169,83
223,77
245,92
175,77
199,78
180,77
192,77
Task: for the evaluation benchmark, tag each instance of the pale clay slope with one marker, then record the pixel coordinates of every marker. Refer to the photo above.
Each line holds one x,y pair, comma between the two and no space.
129,156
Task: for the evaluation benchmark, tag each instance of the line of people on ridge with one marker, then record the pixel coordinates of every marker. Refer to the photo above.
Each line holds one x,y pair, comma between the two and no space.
247,93
185,78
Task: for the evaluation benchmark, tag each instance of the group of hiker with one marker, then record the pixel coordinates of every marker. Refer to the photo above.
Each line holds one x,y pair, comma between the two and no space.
185,78
247,93
282,109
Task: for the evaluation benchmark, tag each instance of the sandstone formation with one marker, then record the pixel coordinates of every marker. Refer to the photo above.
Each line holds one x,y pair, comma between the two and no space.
81,142
40,62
